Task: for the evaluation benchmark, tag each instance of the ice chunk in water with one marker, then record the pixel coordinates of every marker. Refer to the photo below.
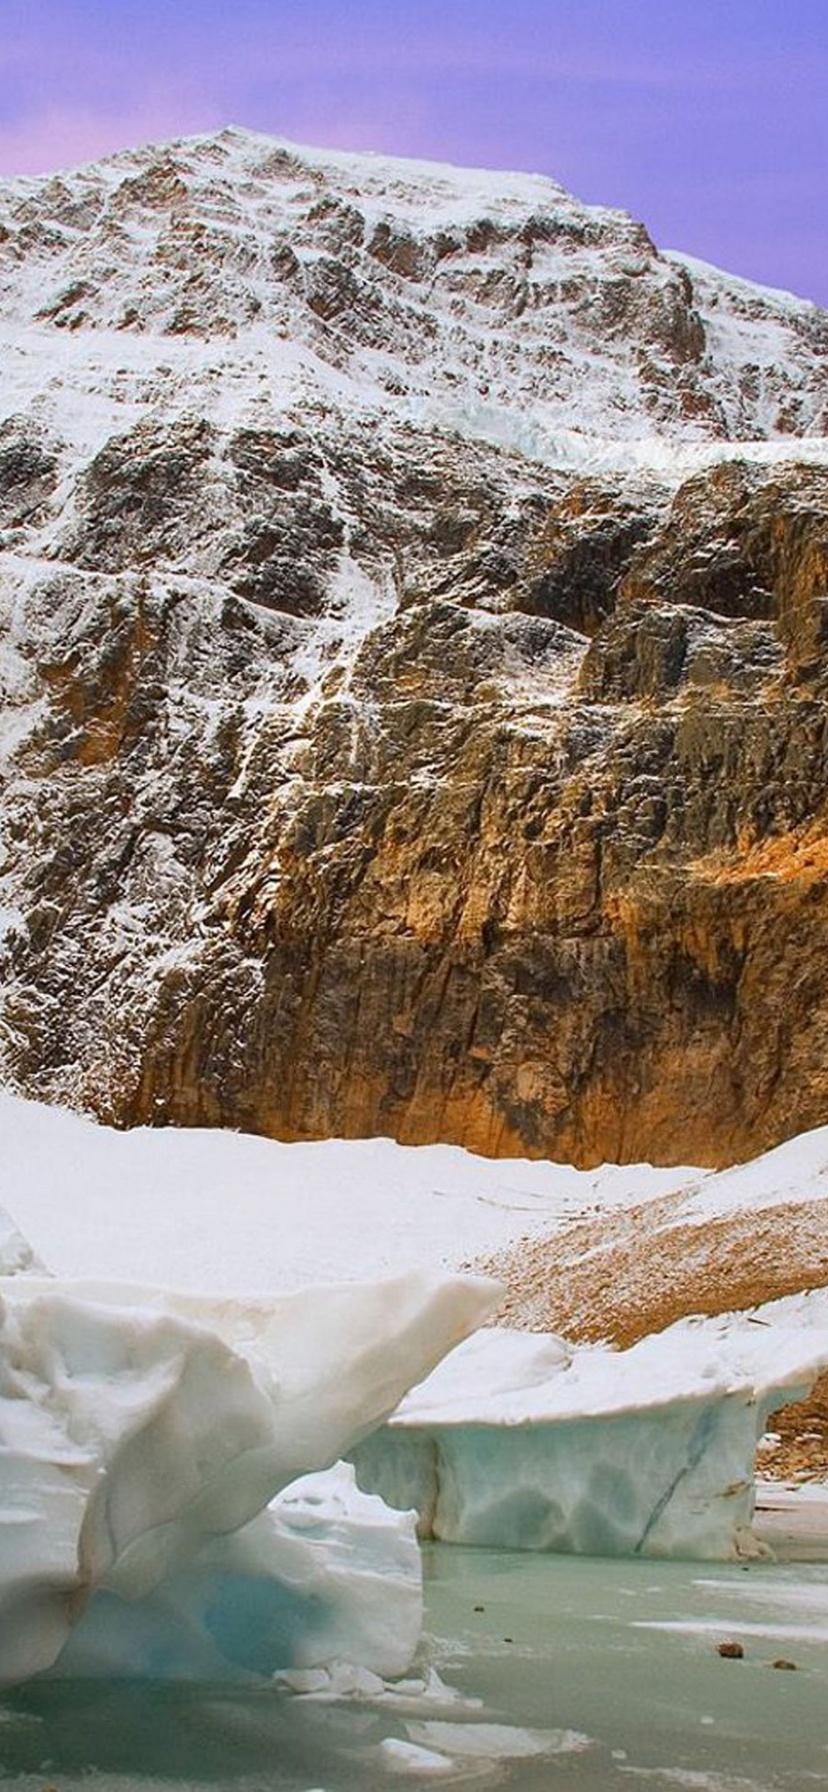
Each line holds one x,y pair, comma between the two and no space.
516,1443
325,1574
142,1432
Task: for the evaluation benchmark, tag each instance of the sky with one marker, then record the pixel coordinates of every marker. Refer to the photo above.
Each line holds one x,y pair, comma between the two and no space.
708,119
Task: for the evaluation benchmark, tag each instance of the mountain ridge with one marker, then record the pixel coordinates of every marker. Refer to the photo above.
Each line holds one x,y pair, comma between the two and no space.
447,313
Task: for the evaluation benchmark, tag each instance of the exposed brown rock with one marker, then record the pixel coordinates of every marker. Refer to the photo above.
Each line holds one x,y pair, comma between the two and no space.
801,1453
504,885
621,1276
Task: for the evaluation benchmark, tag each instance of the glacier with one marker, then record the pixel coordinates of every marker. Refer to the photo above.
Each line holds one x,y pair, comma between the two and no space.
143,1437
174,1504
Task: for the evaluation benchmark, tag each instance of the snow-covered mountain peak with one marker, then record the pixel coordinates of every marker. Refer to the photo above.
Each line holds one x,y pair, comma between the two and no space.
225,273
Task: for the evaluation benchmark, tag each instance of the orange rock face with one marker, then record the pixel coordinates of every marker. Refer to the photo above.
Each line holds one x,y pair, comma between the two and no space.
493,901
514,883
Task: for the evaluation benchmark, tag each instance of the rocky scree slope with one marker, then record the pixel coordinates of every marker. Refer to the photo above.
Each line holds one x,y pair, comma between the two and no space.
413,609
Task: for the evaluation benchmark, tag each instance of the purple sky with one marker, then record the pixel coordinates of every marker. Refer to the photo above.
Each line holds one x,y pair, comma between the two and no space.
706,118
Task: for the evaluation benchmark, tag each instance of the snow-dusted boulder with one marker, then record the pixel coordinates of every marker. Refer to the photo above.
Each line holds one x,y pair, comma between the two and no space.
139,1427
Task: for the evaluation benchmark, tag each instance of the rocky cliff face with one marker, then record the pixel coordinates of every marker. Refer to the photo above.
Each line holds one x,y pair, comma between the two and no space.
414,693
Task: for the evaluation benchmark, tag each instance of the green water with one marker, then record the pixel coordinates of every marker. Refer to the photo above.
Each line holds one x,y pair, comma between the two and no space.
607,1670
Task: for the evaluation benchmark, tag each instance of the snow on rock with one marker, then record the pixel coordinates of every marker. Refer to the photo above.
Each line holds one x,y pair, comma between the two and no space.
517,1442
343,656
138,1426
278,276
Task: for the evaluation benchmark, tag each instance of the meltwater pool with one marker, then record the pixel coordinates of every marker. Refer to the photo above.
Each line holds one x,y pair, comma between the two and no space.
537,1672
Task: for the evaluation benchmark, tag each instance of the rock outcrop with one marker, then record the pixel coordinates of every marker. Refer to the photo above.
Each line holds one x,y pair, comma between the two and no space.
414,697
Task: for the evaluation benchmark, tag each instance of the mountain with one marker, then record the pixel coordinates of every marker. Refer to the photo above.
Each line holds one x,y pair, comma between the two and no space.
413,616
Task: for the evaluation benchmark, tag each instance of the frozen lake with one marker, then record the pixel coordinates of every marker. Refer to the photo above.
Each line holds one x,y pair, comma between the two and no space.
555,1671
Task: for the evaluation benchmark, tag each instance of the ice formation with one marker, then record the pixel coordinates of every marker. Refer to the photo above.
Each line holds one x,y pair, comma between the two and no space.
143,1435
516,1442
325,1574
152,1522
